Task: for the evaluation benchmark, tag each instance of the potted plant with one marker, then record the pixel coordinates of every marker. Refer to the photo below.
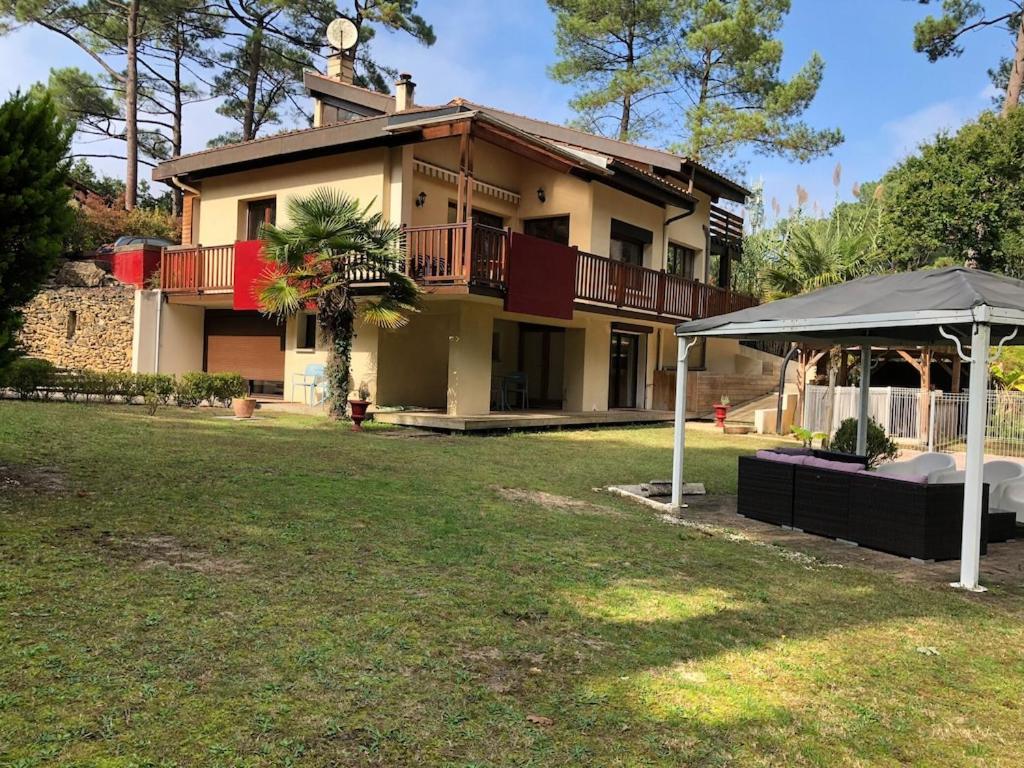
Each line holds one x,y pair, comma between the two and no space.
241,402
359,404
721,409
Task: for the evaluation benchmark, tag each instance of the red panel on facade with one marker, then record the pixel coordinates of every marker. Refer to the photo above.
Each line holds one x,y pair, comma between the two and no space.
541,277
133,267
251,271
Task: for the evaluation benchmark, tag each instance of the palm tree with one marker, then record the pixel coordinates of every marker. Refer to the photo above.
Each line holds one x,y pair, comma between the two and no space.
820,252
331,243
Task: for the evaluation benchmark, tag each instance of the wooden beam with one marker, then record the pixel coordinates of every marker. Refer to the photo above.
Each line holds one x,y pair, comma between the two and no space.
523,148
432,132
911,360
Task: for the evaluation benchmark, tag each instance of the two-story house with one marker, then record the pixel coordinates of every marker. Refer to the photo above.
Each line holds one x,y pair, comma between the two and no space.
551,260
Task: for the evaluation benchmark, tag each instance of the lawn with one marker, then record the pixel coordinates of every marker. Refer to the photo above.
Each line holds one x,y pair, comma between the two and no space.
185,590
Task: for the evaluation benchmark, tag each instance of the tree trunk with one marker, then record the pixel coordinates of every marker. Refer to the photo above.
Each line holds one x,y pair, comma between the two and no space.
1016,82
176,195
627,100
131,109
624,118
339,374
255,56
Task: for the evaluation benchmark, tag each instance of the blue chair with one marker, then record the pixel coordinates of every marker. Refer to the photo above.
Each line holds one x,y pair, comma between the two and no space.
309,381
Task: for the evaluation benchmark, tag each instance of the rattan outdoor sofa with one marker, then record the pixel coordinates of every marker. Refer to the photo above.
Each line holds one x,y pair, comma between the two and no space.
835,497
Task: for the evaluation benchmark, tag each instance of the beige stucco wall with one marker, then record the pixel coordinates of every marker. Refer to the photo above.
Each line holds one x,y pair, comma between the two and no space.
296,359
412,362
563,194
357,174
181,338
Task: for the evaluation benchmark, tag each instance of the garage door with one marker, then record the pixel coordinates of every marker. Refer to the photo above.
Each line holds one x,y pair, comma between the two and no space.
245,343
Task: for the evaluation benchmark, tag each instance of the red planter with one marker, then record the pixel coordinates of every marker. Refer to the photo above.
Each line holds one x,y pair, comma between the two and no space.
358,413
720,413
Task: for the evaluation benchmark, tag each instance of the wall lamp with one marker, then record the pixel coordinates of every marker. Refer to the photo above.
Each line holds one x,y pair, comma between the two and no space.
421,198
540,194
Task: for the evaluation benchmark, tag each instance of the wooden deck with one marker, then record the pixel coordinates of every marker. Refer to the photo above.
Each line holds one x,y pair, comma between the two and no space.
520,420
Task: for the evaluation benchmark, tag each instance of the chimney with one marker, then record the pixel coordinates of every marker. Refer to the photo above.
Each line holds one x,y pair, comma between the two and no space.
341,67
405,89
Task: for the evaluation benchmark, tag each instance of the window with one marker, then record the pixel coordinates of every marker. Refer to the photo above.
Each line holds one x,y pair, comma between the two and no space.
258,213
72,324
681,260
629,242
307,332
553,228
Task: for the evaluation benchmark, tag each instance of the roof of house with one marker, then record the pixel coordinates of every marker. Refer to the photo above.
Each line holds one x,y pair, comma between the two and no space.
669,175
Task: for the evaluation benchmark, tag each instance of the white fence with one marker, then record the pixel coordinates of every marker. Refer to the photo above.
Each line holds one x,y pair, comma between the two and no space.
894,408
898,411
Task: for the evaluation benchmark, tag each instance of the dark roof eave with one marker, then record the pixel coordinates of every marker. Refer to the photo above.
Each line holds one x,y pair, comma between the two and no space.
286,147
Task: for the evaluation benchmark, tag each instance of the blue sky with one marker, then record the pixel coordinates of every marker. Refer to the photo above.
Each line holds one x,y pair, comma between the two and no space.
885,97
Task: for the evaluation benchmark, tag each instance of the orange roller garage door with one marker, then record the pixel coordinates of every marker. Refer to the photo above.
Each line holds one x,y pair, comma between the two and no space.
245,343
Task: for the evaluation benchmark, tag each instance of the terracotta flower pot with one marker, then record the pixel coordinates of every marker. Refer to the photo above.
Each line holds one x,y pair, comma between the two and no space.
358,413
720,414
243,407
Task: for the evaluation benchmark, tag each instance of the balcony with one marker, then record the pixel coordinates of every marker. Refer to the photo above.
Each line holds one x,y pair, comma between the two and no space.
473,258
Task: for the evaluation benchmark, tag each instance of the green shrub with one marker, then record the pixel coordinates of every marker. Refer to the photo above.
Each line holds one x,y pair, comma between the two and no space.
129,385
28,376
227,386
193,388
881,448
158,387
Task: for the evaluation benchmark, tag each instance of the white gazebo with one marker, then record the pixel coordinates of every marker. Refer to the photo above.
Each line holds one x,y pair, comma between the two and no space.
966,309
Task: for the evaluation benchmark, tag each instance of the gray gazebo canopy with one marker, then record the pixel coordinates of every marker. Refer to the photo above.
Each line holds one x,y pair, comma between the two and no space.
953,307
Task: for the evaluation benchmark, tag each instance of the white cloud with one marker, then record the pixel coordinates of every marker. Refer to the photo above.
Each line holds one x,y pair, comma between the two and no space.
907,133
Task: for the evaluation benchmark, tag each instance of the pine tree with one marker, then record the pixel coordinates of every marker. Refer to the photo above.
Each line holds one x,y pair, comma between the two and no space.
939,37
621,56
35,215
734,93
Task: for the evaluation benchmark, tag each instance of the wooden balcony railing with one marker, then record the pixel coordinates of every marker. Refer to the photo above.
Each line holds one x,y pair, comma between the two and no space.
464,253
604,281
197,269
475,255
725,227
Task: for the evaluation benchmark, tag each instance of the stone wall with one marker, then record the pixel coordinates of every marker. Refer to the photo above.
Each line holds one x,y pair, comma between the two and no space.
80,326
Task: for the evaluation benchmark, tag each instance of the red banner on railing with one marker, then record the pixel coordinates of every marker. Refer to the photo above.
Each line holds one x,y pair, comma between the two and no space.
251,270
541,277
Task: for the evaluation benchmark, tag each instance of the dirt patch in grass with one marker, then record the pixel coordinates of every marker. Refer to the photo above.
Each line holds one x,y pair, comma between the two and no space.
554,501
503,673
160,551
32,479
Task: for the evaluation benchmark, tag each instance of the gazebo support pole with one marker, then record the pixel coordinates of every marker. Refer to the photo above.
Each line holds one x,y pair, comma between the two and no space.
865,400
679,442
977,410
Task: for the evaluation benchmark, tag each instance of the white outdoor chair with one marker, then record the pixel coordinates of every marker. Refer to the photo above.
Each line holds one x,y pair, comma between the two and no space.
927,464
996,473
1011,498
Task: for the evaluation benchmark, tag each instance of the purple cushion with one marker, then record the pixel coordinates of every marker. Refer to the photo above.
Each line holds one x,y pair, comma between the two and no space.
919,479
782,458
837,466
795,451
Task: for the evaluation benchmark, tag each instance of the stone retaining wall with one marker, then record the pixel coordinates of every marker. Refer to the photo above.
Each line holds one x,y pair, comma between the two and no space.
98,336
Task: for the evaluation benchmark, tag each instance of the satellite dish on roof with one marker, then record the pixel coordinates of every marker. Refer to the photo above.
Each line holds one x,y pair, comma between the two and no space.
342,34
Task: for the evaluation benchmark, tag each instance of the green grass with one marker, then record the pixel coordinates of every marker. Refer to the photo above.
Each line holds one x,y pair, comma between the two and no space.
372,600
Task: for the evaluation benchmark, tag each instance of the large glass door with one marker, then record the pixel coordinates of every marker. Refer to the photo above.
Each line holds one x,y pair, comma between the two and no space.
623,371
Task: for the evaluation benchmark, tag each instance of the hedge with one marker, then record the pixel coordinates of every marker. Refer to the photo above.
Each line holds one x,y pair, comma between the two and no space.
36,379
